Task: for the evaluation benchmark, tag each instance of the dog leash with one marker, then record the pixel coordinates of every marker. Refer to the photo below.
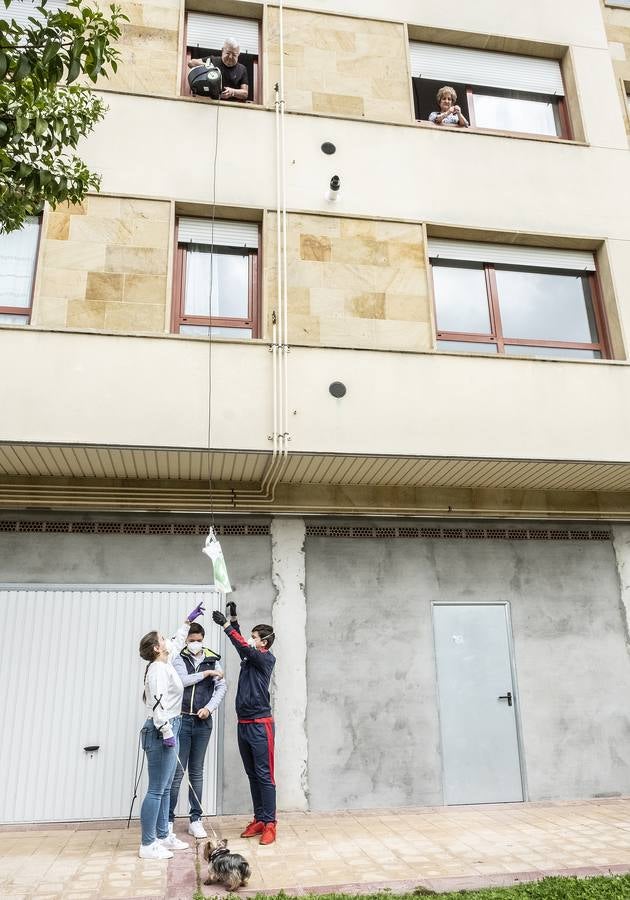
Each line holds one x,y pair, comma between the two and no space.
204,815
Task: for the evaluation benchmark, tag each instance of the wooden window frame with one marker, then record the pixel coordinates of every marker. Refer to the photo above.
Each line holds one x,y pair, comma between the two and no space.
180,317
27,310
498,338
257,80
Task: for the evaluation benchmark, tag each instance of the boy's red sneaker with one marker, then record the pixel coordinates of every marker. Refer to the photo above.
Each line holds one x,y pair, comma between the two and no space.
269,833
253,829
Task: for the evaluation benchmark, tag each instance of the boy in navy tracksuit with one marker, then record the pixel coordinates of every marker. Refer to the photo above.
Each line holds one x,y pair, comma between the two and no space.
256,729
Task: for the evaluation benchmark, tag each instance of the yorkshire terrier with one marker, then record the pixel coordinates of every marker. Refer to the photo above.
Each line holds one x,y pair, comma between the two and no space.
229,869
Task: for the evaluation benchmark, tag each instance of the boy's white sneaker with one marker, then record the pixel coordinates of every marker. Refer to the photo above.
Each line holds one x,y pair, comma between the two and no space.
154,851
197,830
172,842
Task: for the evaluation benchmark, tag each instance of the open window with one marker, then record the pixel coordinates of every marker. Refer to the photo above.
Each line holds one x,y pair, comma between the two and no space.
499,298
215,282
497,91
205,36
18,258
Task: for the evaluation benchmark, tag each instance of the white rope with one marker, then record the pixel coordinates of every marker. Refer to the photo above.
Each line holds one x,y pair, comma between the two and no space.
204,815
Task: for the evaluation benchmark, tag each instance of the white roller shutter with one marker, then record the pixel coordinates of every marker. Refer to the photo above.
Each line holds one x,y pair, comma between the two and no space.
222,234
210,32
21,10
461,65
83,679
506,254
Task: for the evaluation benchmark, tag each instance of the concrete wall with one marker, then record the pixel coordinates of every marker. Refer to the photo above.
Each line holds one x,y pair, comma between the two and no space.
427,403
119,559
372,707
372,715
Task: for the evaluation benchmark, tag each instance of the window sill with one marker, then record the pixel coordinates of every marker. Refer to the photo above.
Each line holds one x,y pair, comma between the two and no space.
492,132
543,359
154,335
188,98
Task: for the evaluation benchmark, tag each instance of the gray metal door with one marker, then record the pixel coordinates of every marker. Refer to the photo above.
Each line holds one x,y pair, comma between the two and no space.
478,704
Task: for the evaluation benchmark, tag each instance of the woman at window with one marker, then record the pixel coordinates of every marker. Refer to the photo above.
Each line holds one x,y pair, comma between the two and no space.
450,113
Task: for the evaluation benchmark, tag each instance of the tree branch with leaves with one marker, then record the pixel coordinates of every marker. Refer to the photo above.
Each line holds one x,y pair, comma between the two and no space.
43,112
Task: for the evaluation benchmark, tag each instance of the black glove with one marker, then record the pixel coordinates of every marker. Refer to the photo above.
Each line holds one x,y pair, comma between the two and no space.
218,617
230,608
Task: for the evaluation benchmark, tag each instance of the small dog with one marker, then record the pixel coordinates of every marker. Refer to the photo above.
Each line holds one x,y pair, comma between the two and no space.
229,869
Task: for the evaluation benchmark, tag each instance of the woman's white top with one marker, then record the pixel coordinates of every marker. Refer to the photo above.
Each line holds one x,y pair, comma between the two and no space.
164,688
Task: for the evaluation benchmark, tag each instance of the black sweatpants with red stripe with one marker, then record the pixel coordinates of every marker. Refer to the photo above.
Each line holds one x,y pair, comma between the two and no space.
256,746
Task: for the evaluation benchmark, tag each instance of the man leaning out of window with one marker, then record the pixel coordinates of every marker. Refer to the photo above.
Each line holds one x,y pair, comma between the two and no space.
233,73
450,113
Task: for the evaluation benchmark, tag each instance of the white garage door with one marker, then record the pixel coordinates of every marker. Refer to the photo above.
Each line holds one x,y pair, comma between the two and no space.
72,678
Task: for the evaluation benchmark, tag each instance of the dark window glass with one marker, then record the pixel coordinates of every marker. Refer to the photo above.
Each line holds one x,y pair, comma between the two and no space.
548,306
246,59
425,97
461,299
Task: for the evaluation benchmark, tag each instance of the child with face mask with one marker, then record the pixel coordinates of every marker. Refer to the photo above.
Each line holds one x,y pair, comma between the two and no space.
204,689
256,730
163,690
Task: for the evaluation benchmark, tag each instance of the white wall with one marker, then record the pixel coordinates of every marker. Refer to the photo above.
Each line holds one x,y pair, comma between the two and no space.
397,403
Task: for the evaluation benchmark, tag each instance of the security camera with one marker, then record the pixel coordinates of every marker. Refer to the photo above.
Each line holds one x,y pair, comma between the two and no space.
335,186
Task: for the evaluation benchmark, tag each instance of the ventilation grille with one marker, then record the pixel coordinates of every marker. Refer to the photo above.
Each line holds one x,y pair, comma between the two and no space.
479,534
131,528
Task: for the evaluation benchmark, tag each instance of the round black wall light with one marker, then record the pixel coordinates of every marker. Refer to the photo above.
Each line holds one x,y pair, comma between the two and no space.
328,148
337,389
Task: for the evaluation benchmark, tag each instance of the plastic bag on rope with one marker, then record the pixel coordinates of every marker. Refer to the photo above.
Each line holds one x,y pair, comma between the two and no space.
212,549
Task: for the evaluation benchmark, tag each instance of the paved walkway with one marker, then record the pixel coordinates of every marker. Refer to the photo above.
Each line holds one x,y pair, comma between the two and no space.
437,848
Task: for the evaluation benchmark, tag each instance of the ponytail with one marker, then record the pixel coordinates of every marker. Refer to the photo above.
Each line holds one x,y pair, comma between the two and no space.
147,651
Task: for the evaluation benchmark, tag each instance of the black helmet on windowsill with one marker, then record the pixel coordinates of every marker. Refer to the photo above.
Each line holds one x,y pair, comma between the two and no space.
205,81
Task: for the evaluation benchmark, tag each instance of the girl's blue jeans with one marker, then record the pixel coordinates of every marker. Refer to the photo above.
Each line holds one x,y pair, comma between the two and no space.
161,762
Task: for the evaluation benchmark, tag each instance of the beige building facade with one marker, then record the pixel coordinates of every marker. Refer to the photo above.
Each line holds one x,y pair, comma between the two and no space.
435,358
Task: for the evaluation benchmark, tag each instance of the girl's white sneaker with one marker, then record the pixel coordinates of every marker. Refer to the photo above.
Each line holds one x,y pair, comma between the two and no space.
154,851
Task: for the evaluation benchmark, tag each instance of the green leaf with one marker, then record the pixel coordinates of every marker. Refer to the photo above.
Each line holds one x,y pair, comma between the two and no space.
52,49
41,127
74,70
23,69
4,64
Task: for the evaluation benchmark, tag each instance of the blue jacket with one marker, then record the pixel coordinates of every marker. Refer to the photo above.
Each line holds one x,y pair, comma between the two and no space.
252,696
198,695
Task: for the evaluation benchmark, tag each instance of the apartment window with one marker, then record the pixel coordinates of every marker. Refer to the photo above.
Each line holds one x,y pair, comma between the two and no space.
494,298
18,256
499,91
29,9
205,36
216,278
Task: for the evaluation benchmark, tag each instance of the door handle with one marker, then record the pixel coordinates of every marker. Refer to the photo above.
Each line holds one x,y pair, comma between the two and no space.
507,697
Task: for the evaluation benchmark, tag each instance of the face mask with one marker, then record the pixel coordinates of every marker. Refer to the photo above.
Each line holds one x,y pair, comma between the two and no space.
168,645
251,643
195,647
